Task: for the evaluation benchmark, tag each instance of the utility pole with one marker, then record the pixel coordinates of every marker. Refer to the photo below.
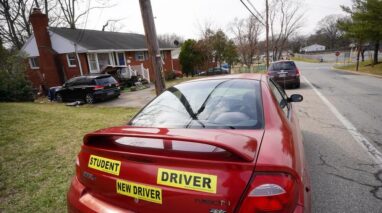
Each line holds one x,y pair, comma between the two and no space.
267,31
261,19
152,44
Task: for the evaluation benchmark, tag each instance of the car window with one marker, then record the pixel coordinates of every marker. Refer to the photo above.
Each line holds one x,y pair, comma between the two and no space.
80,81
223,103
287,65
71,82
280,96
105,81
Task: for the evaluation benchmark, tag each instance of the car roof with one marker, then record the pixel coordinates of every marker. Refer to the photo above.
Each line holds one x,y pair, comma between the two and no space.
250,76
95,76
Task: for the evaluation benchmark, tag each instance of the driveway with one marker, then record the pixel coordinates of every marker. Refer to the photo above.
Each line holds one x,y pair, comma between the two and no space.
135,99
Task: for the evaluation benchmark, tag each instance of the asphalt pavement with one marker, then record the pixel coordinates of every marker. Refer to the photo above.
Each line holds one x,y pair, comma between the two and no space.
341,122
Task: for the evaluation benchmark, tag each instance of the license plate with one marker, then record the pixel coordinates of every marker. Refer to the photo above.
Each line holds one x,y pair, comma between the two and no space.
282,75
110,93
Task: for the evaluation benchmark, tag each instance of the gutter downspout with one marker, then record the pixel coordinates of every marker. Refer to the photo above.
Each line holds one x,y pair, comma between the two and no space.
78,58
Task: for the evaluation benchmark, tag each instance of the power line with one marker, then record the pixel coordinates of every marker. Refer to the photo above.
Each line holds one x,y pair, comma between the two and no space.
252,13
253,7
82,33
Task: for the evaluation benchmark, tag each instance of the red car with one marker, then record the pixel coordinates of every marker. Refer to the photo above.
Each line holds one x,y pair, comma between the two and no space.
224,144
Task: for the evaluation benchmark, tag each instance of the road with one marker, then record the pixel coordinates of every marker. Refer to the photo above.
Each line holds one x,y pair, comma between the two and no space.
346,176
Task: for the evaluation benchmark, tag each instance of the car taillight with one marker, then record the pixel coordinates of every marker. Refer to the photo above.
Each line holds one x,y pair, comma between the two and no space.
98,87
271,193
297,72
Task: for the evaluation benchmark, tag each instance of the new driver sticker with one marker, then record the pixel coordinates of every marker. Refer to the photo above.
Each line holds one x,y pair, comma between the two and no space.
139,191
104,164
187,180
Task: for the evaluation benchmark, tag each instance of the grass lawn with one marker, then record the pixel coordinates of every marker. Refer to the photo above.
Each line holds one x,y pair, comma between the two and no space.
365,67
310,60
170,83
38,147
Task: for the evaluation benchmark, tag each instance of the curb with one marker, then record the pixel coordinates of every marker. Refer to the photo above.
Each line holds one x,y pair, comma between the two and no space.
357,73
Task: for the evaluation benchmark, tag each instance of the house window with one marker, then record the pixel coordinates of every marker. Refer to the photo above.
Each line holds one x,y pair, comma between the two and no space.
93,62
104,60
71,57
121,58
34,63
140,56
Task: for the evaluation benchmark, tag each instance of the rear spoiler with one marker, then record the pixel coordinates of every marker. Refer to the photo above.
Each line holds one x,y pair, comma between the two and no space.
239,145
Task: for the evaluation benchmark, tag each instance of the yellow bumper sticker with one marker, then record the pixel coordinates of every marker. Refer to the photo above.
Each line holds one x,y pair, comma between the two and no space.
139,191
187,180
104,164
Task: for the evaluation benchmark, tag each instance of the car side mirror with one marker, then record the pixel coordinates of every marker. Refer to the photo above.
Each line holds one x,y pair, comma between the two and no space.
295,98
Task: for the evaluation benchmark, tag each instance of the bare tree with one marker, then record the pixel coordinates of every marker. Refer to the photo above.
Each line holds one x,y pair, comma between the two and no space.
246,36
15,27
113,25
169,39
285,20
328,28
14,21
71,12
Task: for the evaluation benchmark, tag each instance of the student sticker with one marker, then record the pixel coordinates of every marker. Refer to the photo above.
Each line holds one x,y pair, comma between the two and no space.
104,164
139,191
187,180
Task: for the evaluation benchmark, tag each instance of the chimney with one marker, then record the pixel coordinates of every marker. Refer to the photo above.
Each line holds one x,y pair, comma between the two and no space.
48,68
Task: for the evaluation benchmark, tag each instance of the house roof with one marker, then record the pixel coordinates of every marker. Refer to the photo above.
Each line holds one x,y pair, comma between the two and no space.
104,40
314,45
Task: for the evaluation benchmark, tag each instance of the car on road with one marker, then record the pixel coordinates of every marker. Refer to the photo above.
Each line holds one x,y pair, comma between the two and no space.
221,144
88,88
285,73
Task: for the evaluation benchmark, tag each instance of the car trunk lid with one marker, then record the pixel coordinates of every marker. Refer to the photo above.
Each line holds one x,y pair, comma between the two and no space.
159,169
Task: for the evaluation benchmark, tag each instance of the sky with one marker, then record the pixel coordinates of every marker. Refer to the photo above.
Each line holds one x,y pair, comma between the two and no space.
186,18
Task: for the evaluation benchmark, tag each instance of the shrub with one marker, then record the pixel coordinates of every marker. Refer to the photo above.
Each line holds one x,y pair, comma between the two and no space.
14,86
170,75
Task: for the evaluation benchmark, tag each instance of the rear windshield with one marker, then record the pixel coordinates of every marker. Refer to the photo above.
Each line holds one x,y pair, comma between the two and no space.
223,103
105,81
288,65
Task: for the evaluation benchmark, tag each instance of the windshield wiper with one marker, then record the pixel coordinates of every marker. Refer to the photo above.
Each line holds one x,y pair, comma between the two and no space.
186,105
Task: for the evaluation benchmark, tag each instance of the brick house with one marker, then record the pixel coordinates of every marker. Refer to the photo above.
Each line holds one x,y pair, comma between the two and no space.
57,54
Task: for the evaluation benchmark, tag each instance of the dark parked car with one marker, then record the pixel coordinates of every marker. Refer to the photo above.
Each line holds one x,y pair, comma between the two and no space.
285,73
214,71
89,88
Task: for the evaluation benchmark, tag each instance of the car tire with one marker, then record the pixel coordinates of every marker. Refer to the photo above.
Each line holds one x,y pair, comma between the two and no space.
89,98
297,85
59,98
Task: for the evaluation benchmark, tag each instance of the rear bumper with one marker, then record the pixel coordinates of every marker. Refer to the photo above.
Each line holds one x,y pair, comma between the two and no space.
106,94
287,81
79,200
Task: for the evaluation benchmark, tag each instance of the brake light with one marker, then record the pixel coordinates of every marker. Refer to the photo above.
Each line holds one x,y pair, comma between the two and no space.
297,72
98,87
271,193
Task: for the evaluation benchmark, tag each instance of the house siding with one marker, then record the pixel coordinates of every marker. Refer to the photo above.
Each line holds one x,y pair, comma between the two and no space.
70,72
167,67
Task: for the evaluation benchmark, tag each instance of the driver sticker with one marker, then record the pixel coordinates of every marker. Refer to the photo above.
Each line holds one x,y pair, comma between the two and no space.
187,180
139,191
104,164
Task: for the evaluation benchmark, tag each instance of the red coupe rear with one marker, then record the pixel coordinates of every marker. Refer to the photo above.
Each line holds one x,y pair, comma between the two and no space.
225,144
